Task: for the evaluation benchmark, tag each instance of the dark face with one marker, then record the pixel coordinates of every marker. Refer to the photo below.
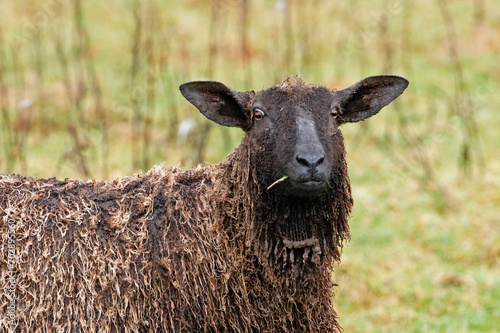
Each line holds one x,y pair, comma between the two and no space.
293,128
295,134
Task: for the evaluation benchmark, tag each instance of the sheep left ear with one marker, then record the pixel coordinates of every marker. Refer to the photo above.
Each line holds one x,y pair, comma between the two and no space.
367,97
218,102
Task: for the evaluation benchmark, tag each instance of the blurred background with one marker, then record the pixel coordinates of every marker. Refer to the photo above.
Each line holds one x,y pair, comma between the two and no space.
89,89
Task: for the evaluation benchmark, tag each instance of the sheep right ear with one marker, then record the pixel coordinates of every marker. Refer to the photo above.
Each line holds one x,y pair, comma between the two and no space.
218,102
367,97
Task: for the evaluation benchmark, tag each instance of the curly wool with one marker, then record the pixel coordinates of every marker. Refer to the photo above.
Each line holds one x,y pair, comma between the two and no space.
205,250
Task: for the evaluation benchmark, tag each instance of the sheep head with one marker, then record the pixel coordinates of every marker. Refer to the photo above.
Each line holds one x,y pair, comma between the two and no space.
293,128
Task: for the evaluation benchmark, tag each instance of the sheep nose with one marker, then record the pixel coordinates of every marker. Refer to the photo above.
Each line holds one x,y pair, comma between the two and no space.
310,161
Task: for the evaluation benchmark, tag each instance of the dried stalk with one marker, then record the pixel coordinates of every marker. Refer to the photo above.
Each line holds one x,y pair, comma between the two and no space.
278,181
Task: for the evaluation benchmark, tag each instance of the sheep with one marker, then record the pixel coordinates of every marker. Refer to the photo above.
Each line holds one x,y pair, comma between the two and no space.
247,245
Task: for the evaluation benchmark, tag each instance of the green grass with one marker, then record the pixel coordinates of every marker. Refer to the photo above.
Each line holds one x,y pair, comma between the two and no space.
425,248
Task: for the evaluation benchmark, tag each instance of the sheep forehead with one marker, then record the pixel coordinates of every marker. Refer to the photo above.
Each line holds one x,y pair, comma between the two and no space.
292,97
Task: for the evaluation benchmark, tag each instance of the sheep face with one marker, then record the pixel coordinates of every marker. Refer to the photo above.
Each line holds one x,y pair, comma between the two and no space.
293,128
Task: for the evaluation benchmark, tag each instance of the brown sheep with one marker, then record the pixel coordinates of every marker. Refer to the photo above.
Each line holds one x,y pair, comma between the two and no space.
244,246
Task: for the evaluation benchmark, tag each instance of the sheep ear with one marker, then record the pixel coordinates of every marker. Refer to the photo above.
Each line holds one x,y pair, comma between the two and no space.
367,97
218,102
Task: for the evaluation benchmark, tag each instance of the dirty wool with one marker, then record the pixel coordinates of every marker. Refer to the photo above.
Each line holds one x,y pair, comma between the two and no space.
205,250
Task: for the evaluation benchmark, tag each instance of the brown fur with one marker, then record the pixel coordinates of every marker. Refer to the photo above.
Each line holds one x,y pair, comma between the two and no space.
172,251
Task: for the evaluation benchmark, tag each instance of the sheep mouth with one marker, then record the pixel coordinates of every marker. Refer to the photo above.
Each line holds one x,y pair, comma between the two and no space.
307,188
312,184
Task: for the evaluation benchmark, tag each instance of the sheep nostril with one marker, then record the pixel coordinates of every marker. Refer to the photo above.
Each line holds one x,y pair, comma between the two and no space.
302,161
310,160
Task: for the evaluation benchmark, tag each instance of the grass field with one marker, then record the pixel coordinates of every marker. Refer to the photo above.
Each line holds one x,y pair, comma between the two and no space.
89,89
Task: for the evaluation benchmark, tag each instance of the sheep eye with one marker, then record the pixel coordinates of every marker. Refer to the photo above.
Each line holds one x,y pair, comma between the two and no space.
334,113
258,114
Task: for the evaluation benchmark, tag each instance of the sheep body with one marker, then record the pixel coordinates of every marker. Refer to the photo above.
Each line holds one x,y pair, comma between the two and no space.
211,249
158,253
